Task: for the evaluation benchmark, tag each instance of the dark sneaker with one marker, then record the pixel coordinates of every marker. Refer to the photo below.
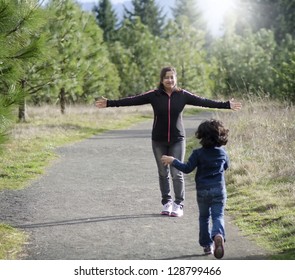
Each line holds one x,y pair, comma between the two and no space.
208,250
218,246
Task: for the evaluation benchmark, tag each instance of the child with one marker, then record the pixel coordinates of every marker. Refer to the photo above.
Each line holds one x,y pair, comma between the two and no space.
211,160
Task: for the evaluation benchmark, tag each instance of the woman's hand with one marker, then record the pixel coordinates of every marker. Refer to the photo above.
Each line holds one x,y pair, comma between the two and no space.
166,160
235,105
101,102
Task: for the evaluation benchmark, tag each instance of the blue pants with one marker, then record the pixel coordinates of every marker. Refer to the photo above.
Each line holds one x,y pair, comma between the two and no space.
211,203
176,150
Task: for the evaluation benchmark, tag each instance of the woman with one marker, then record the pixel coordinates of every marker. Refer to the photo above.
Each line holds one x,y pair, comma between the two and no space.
168,134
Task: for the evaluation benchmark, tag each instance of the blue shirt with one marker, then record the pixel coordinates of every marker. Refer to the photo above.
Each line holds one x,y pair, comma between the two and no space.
210,163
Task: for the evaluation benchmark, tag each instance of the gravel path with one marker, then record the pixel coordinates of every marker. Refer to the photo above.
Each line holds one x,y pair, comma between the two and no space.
101,200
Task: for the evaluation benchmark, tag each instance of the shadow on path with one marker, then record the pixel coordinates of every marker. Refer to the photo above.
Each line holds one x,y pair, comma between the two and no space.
87,220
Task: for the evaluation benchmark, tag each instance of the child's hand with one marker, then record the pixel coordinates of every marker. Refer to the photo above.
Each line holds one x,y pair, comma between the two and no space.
166,160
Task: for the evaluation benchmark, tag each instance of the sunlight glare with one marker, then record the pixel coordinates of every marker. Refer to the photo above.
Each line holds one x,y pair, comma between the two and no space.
221,6
215,11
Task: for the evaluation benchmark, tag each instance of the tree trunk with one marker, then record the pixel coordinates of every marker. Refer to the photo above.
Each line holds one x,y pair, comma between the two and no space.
22,105
62,99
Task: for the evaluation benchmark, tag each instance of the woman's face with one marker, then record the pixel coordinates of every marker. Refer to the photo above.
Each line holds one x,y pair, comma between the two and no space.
169,80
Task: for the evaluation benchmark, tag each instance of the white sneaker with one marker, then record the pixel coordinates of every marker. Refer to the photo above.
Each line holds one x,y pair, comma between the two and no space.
208,250
167,208
177,210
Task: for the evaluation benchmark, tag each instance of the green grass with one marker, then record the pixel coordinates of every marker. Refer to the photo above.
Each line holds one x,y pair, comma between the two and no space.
260,181
266,212
11,242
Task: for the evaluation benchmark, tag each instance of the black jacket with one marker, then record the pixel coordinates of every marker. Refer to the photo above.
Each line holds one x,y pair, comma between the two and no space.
168,124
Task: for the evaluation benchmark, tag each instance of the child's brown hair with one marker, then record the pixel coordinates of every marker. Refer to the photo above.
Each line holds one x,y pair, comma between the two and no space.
212,133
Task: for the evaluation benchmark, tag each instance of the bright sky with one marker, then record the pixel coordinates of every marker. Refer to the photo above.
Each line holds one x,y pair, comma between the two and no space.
117,1
214,10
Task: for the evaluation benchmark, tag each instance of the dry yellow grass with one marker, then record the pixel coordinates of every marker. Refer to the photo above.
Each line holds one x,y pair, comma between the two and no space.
45,120
261,178
262,142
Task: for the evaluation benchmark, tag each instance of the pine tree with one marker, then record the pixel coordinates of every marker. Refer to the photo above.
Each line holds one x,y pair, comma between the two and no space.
78,67
186,53
19,47
275,15
137,56
149,13
34,18
106,19
188,9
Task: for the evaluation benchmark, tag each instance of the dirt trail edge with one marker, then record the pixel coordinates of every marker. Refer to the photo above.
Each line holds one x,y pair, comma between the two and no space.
101,201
